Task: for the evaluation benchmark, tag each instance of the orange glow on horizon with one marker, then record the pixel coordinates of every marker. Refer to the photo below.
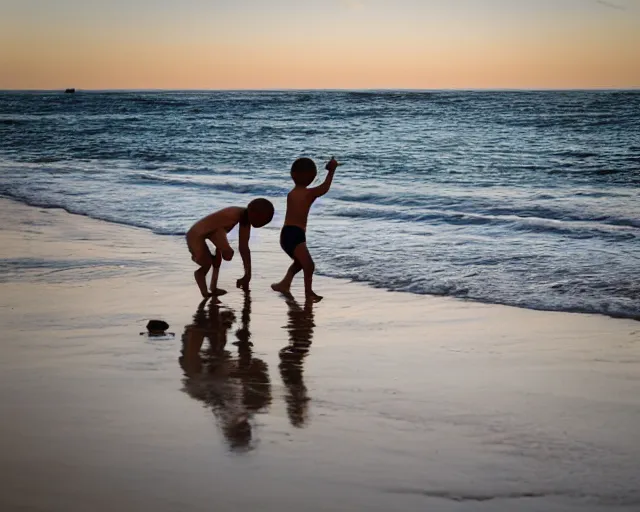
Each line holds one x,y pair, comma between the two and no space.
550,55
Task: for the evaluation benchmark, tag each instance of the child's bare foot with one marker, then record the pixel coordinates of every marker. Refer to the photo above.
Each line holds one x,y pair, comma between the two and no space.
313,297
279,287
217,292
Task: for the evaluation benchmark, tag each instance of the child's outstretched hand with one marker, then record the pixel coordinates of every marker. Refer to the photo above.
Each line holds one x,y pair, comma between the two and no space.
332,165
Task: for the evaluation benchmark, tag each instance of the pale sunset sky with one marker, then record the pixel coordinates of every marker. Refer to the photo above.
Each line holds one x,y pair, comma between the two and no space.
301,44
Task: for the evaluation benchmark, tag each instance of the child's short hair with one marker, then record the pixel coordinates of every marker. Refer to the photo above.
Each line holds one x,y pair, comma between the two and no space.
303,171
262,208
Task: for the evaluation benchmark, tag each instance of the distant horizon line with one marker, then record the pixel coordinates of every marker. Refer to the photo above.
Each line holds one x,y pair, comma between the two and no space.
377,89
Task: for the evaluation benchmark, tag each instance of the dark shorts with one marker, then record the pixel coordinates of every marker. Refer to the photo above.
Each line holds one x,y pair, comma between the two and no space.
290,238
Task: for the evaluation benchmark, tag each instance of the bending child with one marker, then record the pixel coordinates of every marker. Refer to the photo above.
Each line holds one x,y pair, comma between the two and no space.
293,235
215,227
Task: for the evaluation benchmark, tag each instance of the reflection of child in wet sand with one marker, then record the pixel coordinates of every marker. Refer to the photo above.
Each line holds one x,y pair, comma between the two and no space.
293,234
300,327
215,227
234,388
212,324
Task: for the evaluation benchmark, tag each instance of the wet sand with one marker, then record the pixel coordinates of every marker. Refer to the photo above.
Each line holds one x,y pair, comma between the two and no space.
368,400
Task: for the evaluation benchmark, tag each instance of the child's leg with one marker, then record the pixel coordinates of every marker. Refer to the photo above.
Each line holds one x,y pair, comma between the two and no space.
201,256
302,255
200,276
284,286
217,261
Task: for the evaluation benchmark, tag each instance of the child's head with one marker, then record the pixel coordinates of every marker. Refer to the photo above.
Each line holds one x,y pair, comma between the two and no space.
260,212
303,172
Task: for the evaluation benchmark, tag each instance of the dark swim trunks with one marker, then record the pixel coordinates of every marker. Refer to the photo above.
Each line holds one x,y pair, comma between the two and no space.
290,238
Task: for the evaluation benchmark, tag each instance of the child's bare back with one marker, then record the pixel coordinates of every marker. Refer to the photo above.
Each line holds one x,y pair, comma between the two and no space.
215,227
299,202
293,234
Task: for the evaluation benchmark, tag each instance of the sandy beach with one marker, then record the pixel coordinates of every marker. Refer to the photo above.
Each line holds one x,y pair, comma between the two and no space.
369,400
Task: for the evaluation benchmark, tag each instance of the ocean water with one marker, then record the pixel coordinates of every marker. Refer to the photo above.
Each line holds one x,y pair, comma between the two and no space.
528,199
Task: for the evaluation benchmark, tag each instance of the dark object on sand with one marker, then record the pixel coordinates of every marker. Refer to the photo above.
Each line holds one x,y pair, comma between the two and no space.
158,328
69,91
157,325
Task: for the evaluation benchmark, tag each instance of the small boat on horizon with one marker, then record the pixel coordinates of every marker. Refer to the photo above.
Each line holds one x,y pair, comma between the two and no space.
69,91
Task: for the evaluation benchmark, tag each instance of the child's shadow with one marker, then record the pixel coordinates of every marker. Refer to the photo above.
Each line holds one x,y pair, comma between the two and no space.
300,327
235,388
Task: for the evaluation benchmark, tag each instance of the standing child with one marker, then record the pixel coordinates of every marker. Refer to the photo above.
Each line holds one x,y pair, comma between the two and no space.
215,227
293,235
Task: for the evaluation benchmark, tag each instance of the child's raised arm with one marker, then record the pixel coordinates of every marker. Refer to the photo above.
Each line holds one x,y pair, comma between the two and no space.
321,190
